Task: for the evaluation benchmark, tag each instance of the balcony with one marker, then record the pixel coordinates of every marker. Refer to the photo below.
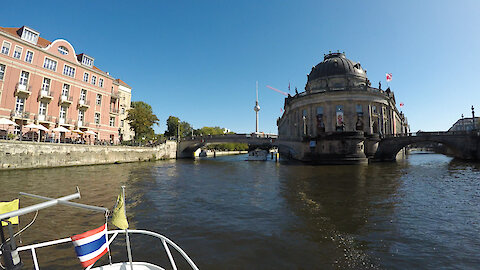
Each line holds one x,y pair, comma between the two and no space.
44,118
45,95
23,90
20,115
81,124
114,111
64,121
115,94
83,104
65,100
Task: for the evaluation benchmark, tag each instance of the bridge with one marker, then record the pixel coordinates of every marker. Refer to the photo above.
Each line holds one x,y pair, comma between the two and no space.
460,144
187,146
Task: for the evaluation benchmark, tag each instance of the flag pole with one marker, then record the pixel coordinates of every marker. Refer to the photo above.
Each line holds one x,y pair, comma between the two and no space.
129,251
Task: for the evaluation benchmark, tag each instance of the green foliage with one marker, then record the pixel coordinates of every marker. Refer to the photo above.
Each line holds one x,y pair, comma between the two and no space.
185,129
205,131
229,147
172,126
141,120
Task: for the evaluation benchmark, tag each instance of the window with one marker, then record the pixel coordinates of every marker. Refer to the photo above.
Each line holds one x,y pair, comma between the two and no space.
17,53
30,36
83,95
19,104
65,90
339,115
63,50
2,72
94,80
24,78
112,121
42,108
50,64
69,71
97,118
46,84
63,112
374,109
123,110
100,82
85,77
121,123
6,47
359,109
87,61
29,57
81,115
319,110
99,99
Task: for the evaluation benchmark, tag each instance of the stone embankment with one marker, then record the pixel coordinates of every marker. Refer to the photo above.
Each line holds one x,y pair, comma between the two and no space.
23,155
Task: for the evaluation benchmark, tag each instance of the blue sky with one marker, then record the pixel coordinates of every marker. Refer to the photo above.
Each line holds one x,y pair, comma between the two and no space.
199,60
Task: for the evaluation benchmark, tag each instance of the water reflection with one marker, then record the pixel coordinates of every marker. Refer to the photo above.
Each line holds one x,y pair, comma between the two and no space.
231,214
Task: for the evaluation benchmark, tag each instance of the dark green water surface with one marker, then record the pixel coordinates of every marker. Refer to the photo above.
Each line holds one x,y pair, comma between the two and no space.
226,213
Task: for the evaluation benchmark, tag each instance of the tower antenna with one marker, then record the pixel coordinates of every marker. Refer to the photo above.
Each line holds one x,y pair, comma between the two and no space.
256,109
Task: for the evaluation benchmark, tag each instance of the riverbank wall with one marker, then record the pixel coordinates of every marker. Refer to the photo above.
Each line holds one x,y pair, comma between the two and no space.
25,155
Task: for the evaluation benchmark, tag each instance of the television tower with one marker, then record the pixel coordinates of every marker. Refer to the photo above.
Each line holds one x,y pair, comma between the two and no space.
256,109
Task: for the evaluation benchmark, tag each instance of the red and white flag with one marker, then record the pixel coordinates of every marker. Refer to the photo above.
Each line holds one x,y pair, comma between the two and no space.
401,104
389,77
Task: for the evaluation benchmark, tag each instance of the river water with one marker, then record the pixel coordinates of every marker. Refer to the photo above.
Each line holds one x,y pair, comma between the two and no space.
226,213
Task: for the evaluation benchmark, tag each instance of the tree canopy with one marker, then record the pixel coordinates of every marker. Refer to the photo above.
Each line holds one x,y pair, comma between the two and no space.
141,119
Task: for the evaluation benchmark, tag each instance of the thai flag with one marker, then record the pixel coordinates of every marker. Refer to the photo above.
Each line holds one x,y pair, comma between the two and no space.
91,245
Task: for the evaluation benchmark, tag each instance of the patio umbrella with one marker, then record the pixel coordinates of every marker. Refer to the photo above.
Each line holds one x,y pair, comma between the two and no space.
60,129
89,132
30,126
77,131
6,121
41,127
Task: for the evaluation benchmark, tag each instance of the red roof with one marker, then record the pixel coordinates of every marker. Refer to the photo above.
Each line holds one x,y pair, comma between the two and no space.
122,83
43,43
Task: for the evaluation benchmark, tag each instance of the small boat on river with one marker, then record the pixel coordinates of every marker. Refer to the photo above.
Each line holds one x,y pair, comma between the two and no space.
257,155
89,246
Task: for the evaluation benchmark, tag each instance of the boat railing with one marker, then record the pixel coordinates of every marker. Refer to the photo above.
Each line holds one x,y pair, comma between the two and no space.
165,241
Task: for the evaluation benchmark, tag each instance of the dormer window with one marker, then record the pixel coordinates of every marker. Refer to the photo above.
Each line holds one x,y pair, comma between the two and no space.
29,35
87,60
63,50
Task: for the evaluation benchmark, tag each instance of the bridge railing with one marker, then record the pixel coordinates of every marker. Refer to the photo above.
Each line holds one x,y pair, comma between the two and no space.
430,133
230,136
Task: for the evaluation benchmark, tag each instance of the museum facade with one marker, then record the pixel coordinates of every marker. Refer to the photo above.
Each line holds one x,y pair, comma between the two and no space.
340,118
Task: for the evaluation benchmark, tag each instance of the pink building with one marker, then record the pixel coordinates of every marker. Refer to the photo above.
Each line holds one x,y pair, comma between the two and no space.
48,83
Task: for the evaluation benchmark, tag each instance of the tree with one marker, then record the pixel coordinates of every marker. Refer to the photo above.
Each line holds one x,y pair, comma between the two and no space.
141,120
172,126
185,129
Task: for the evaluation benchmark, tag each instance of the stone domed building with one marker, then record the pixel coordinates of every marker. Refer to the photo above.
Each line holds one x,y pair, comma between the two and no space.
340,117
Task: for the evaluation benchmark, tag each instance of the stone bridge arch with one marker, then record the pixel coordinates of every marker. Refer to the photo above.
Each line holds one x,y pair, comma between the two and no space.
187,147
462,146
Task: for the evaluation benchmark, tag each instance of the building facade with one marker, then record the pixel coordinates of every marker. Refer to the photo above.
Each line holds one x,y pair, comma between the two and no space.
48,83
340,117
466,124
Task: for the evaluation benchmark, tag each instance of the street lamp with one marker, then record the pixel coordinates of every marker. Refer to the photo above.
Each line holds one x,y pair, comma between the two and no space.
473,117
463,124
